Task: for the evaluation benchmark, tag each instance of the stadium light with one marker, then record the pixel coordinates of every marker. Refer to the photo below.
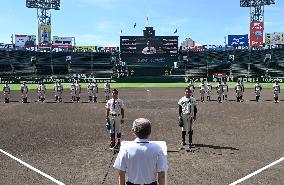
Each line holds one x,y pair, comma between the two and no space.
253,3
43,4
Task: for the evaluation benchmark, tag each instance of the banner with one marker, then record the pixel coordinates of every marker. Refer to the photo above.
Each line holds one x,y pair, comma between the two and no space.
62,42
274,38
25,41
6,46
238,40
44,36
256,34
86,48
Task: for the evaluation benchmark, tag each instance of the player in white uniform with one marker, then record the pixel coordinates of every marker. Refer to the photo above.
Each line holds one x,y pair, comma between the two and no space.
191,86
114,118
72,91
225,90
219,89
187,114
257,90
90,90
276,91
77,91
41,91
96,91
24,92
239,91
6,91
58,90
243,90
107,90
202,87
208,90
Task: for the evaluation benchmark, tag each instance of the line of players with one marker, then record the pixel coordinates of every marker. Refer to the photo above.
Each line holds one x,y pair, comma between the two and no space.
222,90
75,91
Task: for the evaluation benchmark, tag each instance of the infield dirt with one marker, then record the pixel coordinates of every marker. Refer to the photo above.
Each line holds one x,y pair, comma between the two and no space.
68,141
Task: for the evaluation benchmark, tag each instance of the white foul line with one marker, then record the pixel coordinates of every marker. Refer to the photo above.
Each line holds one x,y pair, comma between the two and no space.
32,168
258,171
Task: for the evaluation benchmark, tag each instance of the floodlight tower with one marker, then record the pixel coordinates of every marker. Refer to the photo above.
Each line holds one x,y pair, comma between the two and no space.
44,8
256,19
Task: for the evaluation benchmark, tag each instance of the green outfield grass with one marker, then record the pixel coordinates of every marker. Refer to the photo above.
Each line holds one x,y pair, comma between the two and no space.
141,85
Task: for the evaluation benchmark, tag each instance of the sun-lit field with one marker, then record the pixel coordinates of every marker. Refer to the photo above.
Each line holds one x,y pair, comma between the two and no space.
68,141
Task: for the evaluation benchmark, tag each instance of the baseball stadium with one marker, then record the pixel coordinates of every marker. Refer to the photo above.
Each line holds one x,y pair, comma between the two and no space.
57,102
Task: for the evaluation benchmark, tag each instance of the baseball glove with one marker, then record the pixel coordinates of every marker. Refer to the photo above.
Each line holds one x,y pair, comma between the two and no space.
180,122
107,125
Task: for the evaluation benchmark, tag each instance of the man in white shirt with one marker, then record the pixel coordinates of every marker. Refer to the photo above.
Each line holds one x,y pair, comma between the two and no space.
114,118
149,49
140,162
58,90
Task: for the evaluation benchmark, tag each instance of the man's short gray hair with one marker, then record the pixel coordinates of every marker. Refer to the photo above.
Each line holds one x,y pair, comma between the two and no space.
142,128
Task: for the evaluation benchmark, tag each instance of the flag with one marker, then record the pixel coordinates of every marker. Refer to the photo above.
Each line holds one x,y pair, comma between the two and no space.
147,19
134,25
176,31
120,32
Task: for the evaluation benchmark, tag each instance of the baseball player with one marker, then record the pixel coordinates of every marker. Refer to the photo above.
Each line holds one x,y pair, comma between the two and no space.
24,92
239,91
6,91
96,91
107,90
114,118
257,90
41,91
243,90
225,90
77,91
202,87
58,91
191,86
219,89
90,90
276,91
208,90
72,91
187,114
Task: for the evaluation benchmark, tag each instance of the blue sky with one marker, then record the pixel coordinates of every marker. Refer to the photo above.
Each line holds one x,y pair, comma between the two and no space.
98,22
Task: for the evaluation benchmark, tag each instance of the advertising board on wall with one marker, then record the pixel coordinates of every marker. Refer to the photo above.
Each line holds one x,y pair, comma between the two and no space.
44,36
274,38
256,34
6,46
25,41
238,40
62,42
86,48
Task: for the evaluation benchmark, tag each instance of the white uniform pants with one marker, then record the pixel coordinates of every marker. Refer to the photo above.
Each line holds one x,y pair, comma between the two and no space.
276,94
115,124
187,122
6,95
